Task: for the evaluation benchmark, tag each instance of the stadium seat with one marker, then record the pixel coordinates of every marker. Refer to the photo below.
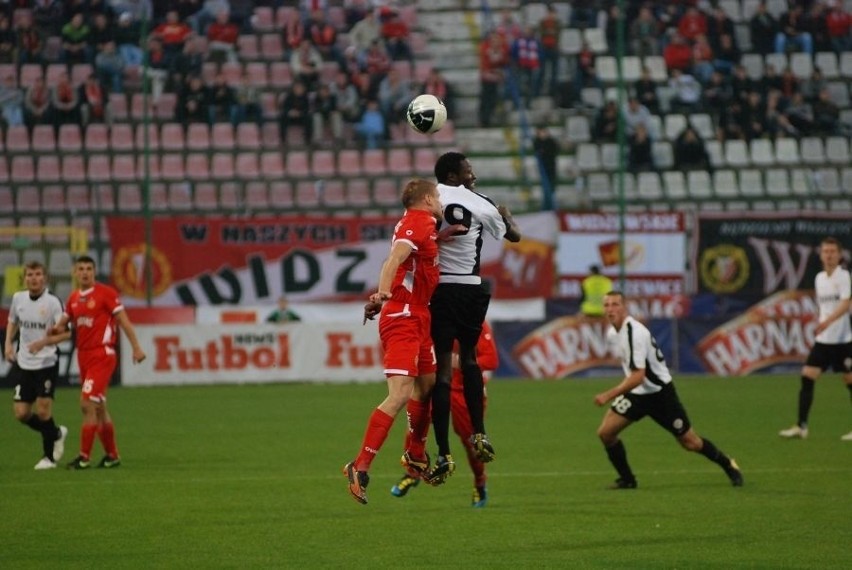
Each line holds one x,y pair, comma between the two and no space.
257,197
736,153
399,161
801,182
592,97
124,168
246,166
751,183
374,162
386,192
307,194
148,164
230,196
171,167
281,194
104,199
166,107
606,68
846,178
23,170
271,47
27,200
152,144
777,60
663,154
786,151
205,197
272,165
248,136
725,184
298,163
180,196
323,164
753,64
263,20
280,76
358,193
17,139
198,137
222,166
172,137
424,161
588,157
777,183
631,68
96,138
29,73
609,156
333,194
247,47
674,124
698,184
846,64
761,152
827,181
349,163
703,124
675,184
839,91
197,167
69,138
270,136
98,168
812,150
657,67
827,62
733,9
222,136
837,152
78,198
570,41
121,138
596,39
48,169
649,186
4,169
578,129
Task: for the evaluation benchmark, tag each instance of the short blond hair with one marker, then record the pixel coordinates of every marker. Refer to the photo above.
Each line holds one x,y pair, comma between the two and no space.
415,191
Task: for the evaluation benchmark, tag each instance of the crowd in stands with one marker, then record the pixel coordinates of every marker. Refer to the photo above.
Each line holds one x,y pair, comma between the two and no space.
346,75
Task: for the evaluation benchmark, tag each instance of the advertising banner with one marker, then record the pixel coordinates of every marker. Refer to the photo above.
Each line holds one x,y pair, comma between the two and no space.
654,251
766,252
236,354
223,261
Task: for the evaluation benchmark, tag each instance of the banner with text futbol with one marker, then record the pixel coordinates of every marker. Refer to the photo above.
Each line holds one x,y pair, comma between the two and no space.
221,261
765,252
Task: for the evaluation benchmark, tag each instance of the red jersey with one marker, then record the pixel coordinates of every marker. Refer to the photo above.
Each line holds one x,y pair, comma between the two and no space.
417,276
92,314
173,34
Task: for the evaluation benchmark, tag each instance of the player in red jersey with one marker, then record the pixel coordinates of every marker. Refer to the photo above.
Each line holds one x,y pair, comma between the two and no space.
408,277
93,311
486,356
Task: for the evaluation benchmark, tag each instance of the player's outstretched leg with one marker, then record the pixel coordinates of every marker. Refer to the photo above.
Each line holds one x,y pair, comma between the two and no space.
728,465
617,455
806,398
358,481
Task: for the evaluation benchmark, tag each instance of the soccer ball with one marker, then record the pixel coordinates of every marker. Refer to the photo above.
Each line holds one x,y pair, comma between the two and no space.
426,114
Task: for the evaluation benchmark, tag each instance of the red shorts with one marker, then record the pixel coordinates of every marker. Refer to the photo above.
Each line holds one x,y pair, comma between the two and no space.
407,341
96,368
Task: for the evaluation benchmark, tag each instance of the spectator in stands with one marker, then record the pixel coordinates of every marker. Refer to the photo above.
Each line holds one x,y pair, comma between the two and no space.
526,62
646,91
435,84
308,7
192,102
678,54
614,16
127,36
770,80
323,36
372,128
493,61
799,116
813,85
207,14
11,103
643,33
222,37
635,114
347,99
395,94
65,102
327,119
718,25
283,314
687,92
789,84
764,27
546,149
826,115
364,33
48,16
668,17
8,40
508,27
727,56
110,67
397,38
549,28
93,101
75,41
190,61
30,42
728,125
838,23
692,24
702,59
718,93
585,74
100,33
295,109
741,84
640,157
173,34
377,63
355,11
584,14
247,102
754,117
220,101
37,110
793,31
294,34
690,152
606,123
306,65
240,14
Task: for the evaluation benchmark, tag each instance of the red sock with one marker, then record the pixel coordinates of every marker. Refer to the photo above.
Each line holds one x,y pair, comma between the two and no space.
375,436
418,427
107,435
477,466
87,439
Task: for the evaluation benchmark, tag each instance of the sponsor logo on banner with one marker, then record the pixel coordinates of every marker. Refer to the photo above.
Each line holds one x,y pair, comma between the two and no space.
565,346
724,268
778,330
129,272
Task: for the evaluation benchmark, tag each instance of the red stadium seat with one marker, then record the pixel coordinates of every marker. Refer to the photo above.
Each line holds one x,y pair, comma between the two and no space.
374,162
205,197
70,139
153,142
271,165
197,167
78,198
23,170
121,138
229,196
171,136
124,168
180,196
256,74
323,164
263,20
281,195
198,137
222,136
222,166
171,167
99,168
297,163
399,161
53,199
48,168
349,163
247,167
271,47
307,194
97,138
358,193
17,139
247,47
248,136
27,200
256,196
73,169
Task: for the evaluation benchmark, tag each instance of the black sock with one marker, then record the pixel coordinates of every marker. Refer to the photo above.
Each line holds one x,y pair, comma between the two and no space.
441,416
850,391
49,434
33,422
473,391
806,398
618,457
711,452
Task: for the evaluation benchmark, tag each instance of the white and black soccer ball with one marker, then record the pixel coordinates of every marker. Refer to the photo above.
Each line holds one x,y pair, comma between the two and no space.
426,114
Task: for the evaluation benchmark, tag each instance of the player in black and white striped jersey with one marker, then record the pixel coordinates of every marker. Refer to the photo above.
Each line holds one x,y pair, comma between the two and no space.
460,302
35,361
646,390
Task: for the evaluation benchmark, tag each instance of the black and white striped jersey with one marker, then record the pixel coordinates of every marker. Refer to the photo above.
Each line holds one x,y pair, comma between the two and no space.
459,258
638,349
34,317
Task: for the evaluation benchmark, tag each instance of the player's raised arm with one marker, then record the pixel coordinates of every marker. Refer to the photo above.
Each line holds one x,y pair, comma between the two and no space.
513,231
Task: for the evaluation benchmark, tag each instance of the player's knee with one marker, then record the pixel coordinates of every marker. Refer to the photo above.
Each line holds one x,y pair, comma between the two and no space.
22,415
690,442
606,436
808,385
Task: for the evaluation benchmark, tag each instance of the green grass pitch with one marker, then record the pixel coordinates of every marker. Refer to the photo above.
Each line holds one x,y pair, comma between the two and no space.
249,477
